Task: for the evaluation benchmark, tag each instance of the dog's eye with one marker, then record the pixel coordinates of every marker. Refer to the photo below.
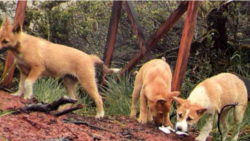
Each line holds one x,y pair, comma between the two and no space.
180,115
160,114
189,119
4,41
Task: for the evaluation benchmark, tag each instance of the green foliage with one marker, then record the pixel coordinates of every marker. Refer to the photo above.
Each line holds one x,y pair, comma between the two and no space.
48,89
2,7
117,98
238,62
193,78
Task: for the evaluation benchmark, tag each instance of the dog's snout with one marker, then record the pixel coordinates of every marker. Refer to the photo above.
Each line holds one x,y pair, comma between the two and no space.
178,128
158,124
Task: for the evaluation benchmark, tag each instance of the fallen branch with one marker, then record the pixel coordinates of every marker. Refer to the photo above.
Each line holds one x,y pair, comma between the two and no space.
84,123
6,89
44,107
79,106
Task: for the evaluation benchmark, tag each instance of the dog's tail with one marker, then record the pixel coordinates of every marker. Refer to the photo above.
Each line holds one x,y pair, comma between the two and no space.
104,68
247,84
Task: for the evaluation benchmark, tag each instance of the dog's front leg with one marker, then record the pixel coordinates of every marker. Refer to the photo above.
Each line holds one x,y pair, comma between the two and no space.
206,129
143,109
167,121
150,116
21,89
135,97
31,79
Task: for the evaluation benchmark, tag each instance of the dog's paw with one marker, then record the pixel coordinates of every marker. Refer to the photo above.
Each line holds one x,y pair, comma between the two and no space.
169,124
200,138
28,97
141,120
133,114
99,115
17,94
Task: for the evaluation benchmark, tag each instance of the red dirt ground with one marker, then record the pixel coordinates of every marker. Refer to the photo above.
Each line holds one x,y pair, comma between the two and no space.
41,126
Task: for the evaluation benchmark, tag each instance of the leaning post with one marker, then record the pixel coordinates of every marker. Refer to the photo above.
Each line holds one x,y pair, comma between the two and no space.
184,50
9,66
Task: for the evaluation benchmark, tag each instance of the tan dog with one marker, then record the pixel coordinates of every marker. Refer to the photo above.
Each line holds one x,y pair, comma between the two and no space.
37,57
209,97
153,86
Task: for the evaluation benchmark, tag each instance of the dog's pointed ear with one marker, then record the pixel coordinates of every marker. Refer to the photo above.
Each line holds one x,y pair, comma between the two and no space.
201,111
17,28
178,101
6,21
174,93
161,101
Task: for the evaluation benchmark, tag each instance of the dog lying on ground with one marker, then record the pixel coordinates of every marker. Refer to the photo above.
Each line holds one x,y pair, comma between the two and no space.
209,97
153,86
37,57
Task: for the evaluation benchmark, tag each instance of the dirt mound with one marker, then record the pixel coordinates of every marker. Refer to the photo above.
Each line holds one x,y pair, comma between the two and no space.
42,126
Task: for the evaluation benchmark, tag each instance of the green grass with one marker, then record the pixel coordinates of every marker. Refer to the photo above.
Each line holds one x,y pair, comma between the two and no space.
48,89
117,96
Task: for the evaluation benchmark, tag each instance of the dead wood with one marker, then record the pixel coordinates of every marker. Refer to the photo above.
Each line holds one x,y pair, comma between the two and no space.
79,106
84,123
45,107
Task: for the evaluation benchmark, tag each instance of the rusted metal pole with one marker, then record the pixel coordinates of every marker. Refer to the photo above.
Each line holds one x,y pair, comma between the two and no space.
111,37
164,28
144,48
184,50
9,66
113,26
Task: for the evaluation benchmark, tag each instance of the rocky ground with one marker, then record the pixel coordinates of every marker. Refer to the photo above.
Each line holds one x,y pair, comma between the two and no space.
44,126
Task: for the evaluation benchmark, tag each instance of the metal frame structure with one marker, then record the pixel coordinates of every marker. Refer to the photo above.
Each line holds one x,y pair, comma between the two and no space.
145,46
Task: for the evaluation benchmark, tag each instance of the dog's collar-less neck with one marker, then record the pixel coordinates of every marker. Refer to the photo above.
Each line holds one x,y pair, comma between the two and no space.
15,49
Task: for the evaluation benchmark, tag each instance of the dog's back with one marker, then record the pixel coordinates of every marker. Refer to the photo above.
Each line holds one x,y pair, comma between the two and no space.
247,84
157,71
220,90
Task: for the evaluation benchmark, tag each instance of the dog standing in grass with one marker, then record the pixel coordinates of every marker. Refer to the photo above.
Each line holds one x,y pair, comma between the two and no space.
209,97
37,57
153,86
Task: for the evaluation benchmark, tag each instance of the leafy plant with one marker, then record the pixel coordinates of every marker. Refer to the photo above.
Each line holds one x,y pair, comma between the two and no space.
117,98
48,89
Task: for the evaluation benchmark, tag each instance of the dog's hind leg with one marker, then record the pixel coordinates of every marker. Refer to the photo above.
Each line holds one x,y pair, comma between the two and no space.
223,119
238,117
89,84
135,96
70,84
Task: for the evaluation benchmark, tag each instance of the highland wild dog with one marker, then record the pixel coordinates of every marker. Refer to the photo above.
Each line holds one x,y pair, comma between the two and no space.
209,97
153,86
37,57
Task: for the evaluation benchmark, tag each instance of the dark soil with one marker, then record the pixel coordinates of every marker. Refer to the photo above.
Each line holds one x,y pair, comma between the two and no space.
42,126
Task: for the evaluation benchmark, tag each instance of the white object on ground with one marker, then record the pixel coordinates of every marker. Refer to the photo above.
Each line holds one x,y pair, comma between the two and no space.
168,130
181,133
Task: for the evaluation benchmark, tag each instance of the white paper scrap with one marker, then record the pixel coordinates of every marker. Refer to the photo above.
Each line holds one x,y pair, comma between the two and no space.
168,130
181,133
165,129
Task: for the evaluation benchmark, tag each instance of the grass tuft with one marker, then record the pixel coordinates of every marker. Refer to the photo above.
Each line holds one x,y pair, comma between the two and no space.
117,96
